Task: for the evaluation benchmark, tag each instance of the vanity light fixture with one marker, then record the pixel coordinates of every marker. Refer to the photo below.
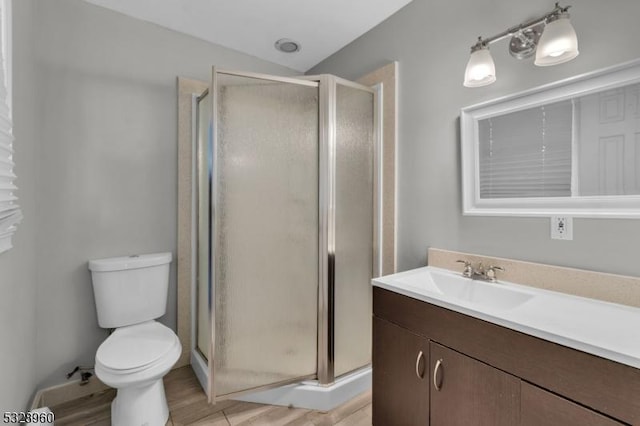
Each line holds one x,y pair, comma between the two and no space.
480,69
550,37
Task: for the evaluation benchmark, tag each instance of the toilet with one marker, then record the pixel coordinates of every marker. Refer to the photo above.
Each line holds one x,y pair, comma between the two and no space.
130,294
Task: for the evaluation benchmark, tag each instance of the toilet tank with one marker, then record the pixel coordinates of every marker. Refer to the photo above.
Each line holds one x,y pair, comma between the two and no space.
130,290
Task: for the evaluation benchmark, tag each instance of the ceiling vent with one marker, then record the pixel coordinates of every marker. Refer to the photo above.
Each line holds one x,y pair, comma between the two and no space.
287,45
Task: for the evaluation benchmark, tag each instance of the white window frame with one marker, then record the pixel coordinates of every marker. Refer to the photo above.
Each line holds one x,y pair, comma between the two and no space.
622,206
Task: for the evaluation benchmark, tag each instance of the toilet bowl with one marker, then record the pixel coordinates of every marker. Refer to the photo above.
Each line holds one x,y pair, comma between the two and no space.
130,293
134,359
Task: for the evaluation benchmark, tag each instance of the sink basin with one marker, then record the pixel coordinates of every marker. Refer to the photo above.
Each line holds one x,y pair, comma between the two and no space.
464,290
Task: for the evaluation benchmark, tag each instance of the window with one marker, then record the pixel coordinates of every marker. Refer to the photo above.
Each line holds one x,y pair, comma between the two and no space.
10,214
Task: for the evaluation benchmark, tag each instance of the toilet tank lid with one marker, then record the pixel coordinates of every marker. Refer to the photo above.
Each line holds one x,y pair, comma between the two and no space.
129,262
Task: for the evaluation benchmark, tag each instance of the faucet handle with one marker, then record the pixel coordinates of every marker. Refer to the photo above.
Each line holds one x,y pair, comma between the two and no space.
468,270
491,272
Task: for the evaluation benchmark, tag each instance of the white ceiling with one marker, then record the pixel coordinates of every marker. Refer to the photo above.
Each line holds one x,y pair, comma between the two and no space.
252,26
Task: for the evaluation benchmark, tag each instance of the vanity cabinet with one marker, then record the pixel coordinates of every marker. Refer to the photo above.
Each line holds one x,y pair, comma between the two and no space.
481,373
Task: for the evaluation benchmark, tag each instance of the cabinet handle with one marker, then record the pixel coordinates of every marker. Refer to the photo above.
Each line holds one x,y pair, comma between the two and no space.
435,375
420,356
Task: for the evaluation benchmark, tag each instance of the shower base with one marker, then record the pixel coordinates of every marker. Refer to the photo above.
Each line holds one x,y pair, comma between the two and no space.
307,394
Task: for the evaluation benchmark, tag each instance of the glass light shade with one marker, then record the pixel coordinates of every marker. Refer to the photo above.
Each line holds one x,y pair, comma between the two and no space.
481,70
558,43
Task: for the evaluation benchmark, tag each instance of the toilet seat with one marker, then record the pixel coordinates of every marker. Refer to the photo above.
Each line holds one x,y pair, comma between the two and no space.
135,348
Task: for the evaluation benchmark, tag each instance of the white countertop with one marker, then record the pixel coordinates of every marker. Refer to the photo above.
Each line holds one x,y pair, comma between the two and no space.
605,329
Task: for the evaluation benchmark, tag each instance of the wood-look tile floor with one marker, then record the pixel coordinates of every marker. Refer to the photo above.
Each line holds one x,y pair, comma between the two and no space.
188,406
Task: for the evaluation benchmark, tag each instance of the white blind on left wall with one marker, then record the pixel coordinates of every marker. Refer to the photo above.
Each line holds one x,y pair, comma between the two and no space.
10,214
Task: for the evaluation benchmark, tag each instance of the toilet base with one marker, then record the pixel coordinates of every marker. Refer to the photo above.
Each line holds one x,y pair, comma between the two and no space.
140,406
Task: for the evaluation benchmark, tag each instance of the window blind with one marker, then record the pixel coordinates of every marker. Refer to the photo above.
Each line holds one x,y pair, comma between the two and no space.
527,153
10,214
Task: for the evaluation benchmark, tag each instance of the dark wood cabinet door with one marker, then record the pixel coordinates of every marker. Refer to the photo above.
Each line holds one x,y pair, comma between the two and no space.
400,376
540,407
467,392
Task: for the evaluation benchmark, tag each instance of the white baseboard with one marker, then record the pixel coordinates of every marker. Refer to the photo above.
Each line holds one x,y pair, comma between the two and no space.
65,392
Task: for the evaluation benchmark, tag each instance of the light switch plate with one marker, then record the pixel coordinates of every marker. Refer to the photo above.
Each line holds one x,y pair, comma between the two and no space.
561,228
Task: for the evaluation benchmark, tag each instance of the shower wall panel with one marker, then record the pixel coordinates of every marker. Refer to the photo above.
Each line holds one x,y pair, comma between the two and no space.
354,227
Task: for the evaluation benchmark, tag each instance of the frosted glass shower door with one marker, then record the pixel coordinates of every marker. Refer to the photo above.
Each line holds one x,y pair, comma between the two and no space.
264,232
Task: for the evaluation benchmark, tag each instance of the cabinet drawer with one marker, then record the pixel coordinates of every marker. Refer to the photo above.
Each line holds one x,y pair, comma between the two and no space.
539,407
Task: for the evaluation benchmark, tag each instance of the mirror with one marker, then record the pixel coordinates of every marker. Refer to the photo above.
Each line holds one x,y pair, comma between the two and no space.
570,148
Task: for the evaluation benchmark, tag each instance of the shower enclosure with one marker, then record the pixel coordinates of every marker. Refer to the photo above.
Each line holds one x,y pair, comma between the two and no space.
286,230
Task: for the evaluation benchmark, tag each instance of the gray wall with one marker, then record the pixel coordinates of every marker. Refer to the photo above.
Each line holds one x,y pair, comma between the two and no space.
106,159
431,42
17,270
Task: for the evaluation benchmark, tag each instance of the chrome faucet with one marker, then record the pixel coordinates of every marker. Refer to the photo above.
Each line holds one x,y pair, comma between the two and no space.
480,272
468,269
